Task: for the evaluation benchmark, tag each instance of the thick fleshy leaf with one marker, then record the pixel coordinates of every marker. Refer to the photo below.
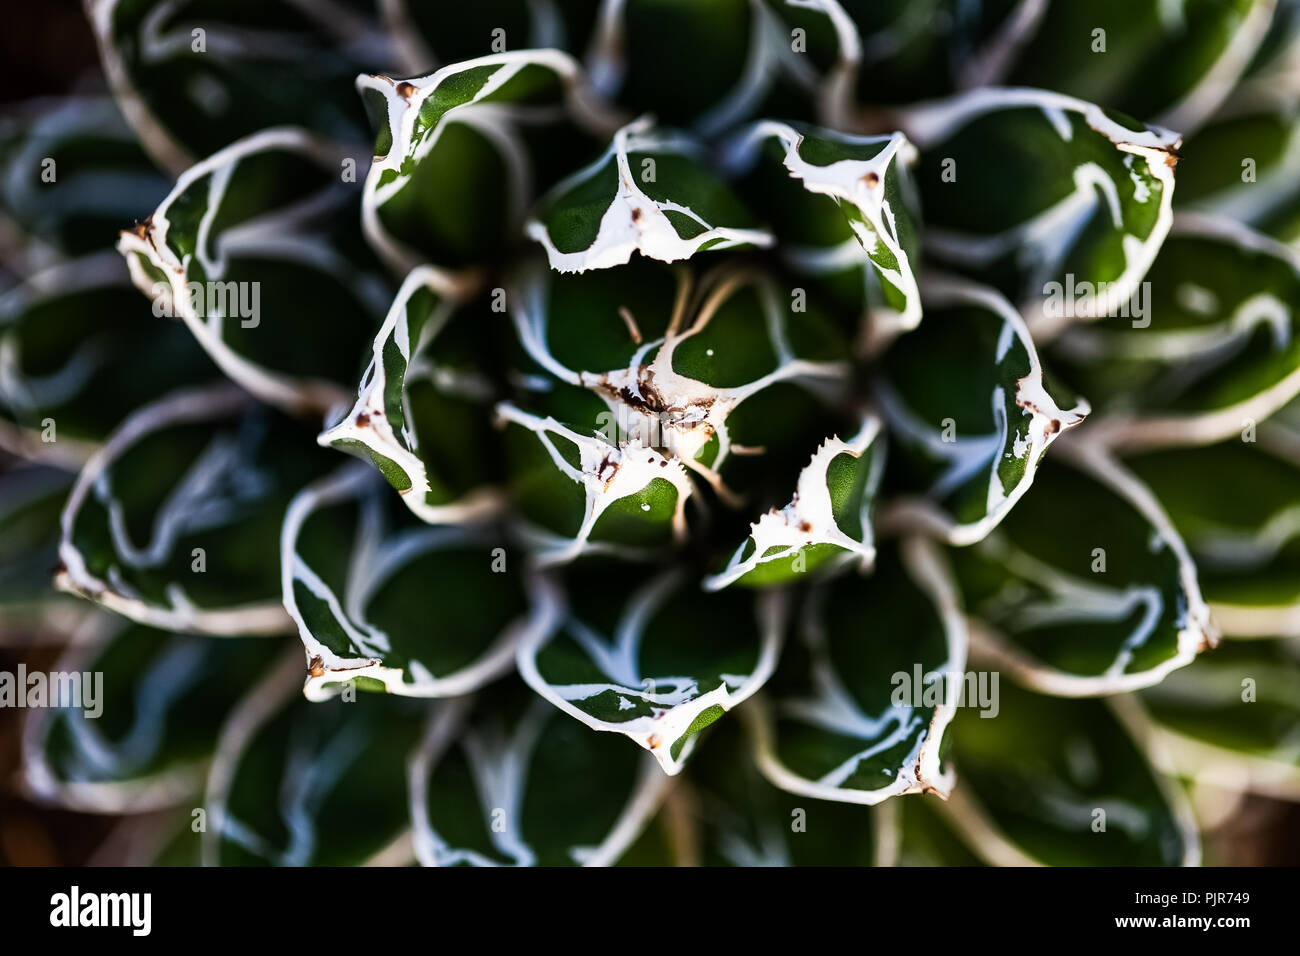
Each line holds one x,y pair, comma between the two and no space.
578,493
1216,350
649,193
1239,519
867,52
706,65
79,350
925,835
1172,64
427,37
175,521
653,656
725,372
71,173
452,177
356,569
423,410
1245,163
258,251
136,728
858,710
797,173
193,78
302,784
1091,202
1085,588
742,820
826,524
970,410
1233,717
31,499
1065,783
504,779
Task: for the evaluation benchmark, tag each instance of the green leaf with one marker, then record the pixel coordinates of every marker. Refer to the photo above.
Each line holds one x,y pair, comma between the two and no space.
137,728
970,409
175,522
1231,719
71,173
428,37
1085,588
1243,163
648,193
256,249
1027,188
356,569
302,784
867,180
1171,64
866,52
1216,349
745,821
193,78
652,656
452,176
706,65
422,414
1065,783
826,524
578,494
81,351
725,375
31,499
504,779
859,708
1238,518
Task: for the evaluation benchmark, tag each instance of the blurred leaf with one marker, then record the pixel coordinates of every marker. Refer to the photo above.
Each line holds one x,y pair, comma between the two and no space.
143,729
1217,349
1085,589
506,780
175,522
356,571
1065,783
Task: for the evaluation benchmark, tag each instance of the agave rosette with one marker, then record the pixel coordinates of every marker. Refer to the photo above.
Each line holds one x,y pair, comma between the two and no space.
859,369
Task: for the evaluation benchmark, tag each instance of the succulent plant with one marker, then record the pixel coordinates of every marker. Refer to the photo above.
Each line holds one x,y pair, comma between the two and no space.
745,432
